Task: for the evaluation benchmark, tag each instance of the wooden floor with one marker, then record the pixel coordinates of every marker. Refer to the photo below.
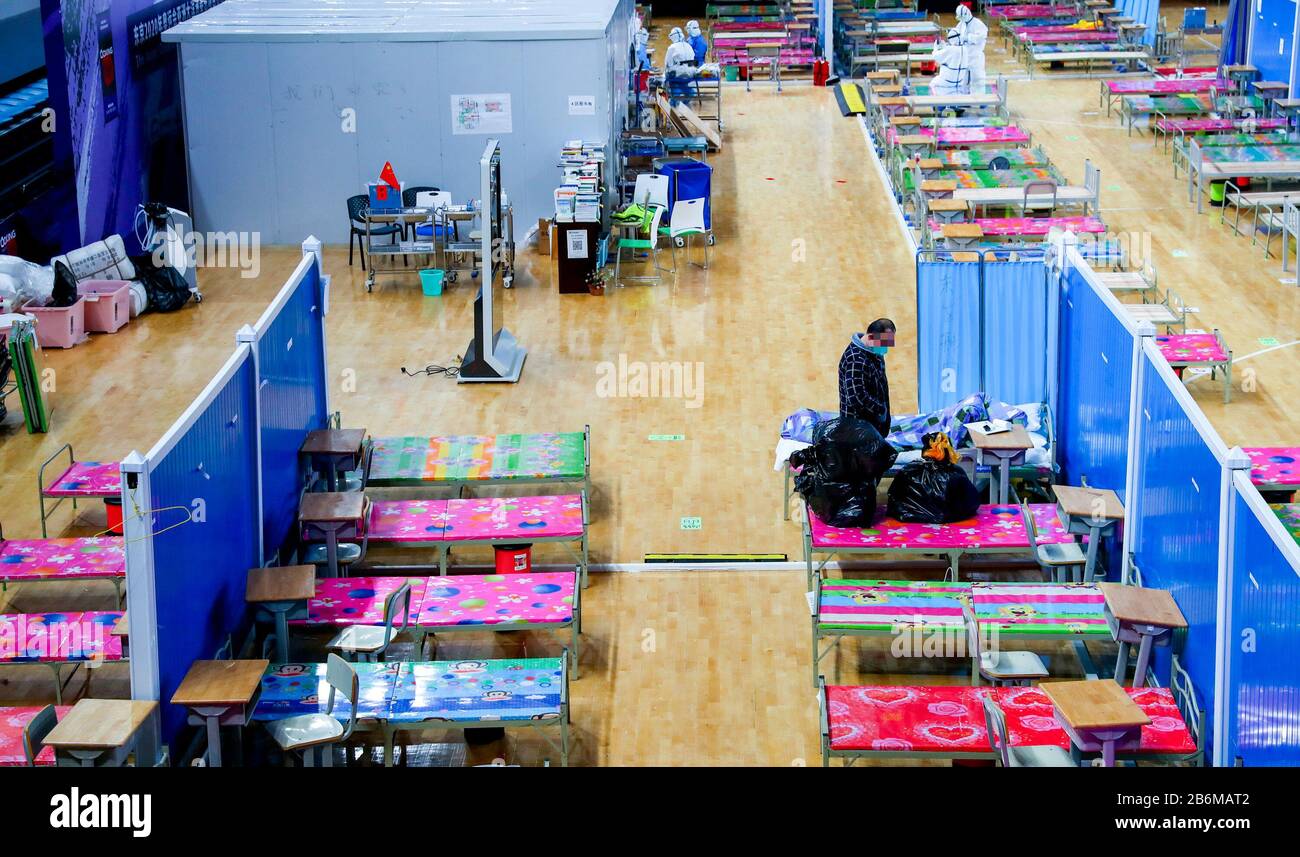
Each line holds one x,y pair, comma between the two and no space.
682,668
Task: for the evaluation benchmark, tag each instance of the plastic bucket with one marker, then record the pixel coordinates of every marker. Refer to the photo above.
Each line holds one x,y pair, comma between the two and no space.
113,509
514,559
431,281
731,72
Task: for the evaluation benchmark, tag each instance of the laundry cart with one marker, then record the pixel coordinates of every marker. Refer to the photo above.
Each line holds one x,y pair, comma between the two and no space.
689,179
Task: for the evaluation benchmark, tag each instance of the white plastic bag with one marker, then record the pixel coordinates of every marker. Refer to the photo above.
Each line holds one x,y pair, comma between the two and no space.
23,282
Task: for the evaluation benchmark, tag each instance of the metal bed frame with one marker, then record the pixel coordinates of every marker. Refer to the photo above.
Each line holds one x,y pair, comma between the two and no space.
1201,172
953,555
42,488
423,632
820,632
1221,366
444,546
118,580
461,484
389,729
1184,694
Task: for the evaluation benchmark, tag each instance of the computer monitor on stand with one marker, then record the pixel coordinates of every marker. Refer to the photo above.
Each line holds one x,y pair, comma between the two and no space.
493,356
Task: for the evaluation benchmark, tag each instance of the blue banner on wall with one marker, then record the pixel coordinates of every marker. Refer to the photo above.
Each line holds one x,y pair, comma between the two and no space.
123,126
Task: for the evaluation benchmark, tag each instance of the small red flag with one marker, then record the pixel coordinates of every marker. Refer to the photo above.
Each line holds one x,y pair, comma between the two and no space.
388,177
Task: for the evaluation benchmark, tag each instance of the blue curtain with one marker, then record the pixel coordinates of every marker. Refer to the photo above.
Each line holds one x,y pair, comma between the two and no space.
1016,353
948,298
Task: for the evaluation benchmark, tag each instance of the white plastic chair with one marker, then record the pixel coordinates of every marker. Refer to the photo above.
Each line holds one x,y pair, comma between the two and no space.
651,189
1049,756
649,244
1057,561
370,642
688,220
1000,668
312,733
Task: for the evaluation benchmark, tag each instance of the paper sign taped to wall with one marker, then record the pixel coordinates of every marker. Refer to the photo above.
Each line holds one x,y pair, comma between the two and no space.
582,105
482,114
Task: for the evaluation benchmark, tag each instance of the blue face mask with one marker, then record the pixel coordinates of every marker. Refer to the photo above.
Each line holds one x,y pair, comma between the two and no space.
880,350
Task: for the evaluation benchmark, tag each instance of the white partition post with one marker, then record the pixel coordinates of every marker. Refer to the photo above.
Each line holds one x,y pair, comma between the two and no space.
1238,462
141,601
1146,332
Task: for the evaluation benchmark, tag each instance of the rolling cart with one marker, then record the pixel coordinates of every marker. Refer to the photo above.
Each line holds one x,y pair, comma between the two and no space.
688,179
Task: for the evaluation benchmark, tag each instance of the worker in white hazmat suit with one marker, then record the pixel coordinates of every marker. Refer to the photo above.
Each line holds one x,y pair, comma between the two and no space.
642,48
951,79
679,66
698,43
971,34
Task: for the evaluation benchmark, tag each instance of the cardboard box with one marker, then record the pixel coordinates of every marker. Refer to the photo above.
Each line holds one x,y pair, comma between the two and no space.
544,237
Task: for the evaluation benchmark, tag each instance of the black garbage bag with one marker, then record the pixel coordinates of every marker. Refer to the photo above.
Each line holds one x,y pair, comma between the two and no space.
932,492
838,475
65,286
165,286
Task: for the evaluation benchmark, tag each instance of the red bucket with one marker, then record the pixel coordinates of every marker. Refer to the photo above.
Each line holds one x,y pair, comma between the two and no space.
113,509
514,559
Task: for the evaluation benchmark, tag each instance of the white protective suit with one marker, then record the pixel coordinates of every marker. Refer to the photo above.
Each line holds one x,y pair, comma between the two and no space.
972,35
681,56
951,79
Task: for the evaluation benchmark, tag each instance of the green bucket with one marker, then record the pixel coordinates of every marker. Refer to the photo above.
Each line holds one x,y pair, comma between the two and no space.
731,72
431,281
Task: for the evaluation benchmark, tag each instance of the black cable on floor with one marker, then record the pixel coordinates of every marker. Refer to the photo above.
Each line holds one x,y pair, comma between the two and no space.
435,369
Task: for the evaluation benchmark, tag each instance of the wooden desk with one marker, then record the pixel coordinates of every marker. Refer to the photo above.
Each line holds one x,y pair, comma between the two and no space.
1093,512
1005,450
1095,714
914,144
1143,616
332,506
941,188
333,516
332,450
947,210
277,591
960,236
220,692
98,729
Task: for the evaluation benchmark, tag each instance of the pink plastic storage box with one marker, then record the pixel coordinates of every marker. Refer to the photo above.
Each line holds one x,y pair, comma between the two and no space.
61,326
108,304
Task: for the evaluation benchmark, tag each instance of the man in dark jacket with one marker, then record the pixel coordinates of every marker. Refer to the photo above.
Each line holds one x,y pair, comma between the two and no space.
864,386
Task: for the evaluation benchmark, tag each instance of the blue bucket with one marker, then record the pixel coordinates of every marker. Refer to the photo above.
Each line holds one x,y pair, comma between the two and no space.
431,281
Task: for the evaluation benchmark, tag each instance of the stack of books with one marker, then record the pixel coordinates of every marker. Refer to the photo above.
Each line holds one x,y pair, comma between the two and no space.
580,197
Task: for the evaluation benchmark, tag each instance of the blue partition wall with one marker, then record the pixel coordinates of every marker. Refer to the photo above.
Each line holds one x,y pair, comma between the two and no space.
291,362
1175,524
1264,704
200,567
1143,12
1272,31
1096,373
982,327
